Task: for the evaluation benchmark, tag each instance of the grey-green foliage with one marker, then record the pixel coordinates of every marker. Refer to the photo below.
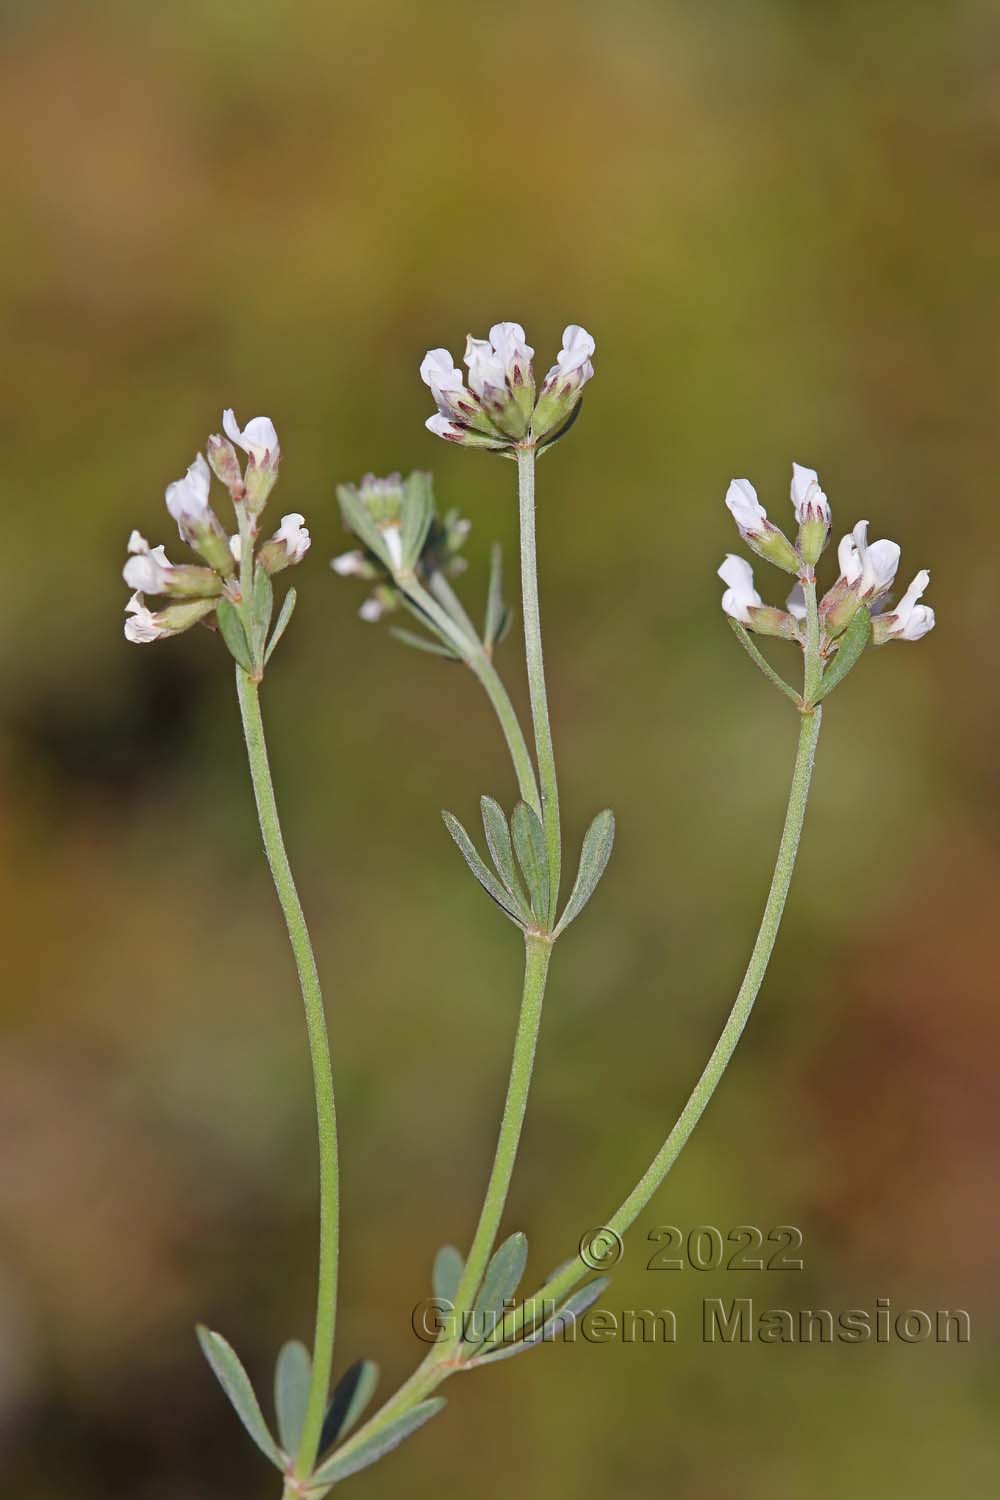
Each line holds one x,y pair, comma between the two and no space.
529,846
378,1445
849,648
449,1264
292,1374
235,1381
501,1281
231,629
477,865
598,842
574,1307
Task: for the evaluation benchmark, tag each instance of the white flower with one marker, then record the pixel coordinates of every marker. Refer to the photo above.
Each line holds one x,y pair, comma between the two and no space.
439,371
908,620
351,565
258,438
796,603
745,509
187,498
486,368
236,546
142,625
808,499
147,568
573,364
392,536
740,593
514,354
868,568
372,610
294,536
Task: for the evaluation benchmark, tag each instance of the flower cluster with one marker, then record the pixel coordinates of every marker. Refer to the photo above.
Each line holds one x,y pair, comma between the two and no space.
402,535
867,572
500,408
194,592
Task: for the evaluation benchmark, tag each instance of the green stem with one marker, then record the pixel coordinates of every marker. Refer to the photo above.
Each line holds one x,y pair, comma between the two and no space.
472,652
536,671
319,1048
813,660
537,953
716,1066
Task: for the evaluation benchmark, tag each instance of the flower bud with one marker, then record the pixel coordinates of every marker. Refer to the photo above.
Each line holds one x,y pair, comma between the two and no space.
756,530
225,465
187,502
812,511
289,545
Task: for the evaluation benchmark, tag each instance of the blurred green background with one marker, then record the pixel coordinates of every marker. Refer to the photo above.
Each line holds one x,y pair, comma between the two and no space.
781,223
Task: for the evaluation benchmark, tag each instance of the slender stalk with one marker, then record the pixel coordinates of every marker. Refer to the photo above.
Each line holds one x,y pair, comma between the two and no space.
714,1069
537,953
536,671
472,652
319,1049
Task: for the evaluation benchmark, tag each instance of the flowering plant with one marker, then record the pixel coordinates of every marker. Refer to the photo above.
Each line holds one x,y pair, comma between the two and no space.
409,554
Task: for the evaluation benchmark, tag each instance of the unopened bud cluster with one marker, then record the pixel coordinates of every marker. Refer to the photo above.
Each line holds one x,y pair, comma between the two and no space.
402,536
500,407
867,572
193,592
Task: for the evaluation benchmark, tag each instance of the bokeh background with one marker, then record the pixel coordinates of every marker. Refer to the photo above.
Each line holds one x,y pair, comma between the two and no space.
781,222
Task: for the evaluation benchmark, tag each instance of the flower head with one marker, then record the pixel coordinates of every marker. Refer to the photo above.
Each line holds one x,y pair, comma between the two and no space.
144,625
812,511
498,408
187,498
287,546
147,569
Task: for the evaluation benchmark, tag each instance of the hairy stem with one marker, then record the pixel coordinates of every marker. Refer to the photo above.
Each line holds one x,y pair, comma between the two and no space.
319,1049
536,672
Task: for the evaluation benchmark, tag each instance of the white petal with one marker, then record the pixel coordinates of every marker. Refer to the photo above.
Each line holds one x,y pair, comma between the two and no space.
371,610
349,564
231,427
485,369
741,594
881,564
258,438
394,545
920,621
577,348
236,547
439,371
443,427
293,534
744,507
137,543
187,498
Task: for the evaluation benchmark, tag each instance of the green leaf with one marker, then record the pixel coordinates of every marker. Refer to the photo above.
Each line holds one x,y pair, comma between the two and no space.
502,1279
232,632
449,1264
598,842
529,844
292,1375
421,643
284,615
743,636
351,1395
849,648
236,1383
574,1307
418,512
470,854
261,607
378,1445
496,610
502,851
